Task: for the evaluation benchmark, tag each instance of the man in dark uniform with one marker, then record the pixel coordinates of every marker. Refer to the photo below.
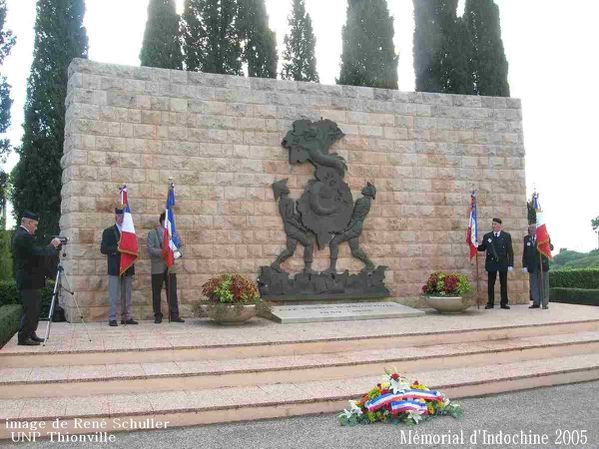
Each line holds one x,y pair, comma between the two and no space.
531,264
118,286
500,258
30,274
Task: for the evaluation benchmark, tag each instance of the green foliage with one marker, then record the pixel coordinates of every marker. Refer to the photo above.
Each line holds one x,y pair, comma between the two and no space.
568,260
259,41
218,35
489,64
584,296
161,46
299,58
442,48
6,265
211,40
7,40
459,55
59,37
587,278
10,316
9,293
368,57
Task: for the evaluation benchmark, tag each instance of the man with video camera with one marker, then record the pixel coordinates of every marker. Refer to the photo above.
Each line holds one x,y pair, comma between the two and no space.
30,272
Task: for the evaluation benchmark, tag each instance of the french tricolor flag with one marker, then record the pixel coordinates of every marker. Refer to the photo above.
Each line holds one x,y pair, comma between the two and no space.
472,232
170,240
128,241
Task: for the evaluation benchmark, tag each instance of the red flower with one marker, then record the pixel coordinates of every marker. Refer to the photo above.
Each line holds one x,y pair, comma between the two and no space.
394,376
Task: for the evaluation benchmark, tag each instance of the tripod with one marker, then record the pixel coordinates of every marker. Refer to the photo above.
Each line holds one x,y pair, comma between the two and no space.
58,288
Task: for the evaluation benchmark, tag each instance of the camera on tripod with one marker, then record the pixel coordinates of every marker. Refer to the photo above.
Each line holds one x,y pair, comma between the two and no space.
63,240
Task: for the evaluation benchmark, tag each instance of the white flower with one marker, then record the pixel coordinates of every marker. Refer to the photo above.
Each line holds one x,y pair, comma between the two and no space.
354,408
346,413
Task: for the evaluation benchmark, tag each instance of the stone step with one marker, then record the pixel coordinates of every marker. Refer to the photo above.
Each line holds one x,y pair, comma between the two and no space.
205,374
141,346
194,407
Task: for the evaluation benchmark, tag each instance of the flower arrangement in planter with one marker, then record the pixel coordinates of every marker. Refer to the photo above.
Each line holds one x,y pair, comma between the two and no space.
396,399
447,292
232,298
447,284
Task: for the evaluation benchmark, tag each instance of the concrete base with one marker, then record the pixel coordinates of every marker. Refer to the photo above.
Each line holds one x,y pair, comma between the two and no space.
306,313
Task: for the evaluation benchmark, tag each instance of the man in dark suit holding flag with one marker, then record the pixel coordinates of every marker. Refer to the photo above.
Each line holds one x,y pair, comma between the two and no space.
499,259
118,285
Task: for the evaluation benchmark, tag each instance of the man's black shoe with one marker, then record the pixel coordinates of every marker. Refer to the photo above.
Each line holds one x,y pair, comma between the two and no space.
157,320
489,306
129,321
505,307
178,320
29,342
112,323
36,338
545,307
534,306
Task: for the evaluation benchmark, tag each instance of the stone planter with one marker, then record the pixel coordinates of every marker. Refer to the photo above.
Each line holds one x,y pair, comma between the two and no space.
231,314
447,304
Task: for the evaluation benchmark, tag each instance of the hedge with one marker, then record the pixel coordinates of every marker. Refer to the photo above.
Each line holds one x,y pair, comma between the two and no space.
10,295
10,317
582,279
583,296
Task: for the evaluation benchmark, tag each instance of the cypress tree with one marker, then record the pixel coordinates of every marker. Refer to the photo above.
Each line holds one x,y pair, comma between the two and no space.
259,41
161,45
368,57
211,40
442,51
7,40
489,64
59,37
299,59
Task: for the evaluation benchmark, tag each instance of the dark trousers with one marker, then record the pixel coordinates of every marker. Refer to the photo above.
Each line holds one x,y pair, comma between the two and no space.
32,305
502,284
158,280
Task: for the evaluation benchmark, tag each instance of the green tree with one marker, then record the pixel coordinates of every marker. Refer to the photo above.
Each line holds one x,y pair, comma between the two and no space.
59,37
489,64
161,46
368,57
595,225
299,58
7,40
211,38
259,41
442,48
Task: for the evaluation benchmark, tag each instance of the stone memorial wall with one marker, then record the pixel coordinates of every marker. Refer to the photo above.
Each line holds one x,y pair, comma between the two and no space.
219,138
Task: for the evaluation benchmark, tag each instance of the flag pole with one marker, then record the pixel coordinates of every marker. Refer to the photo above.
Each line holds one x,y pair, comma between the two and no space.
168,273
477,283
473,193
541,287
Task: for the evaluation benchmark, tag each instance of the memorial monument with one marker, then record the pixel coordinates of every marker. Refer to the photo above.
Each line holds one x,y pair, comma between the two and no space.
326,215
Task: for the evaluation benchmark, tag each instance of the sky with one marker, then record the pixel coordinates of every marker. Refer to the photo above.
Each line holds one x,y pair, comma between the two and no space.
551,47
